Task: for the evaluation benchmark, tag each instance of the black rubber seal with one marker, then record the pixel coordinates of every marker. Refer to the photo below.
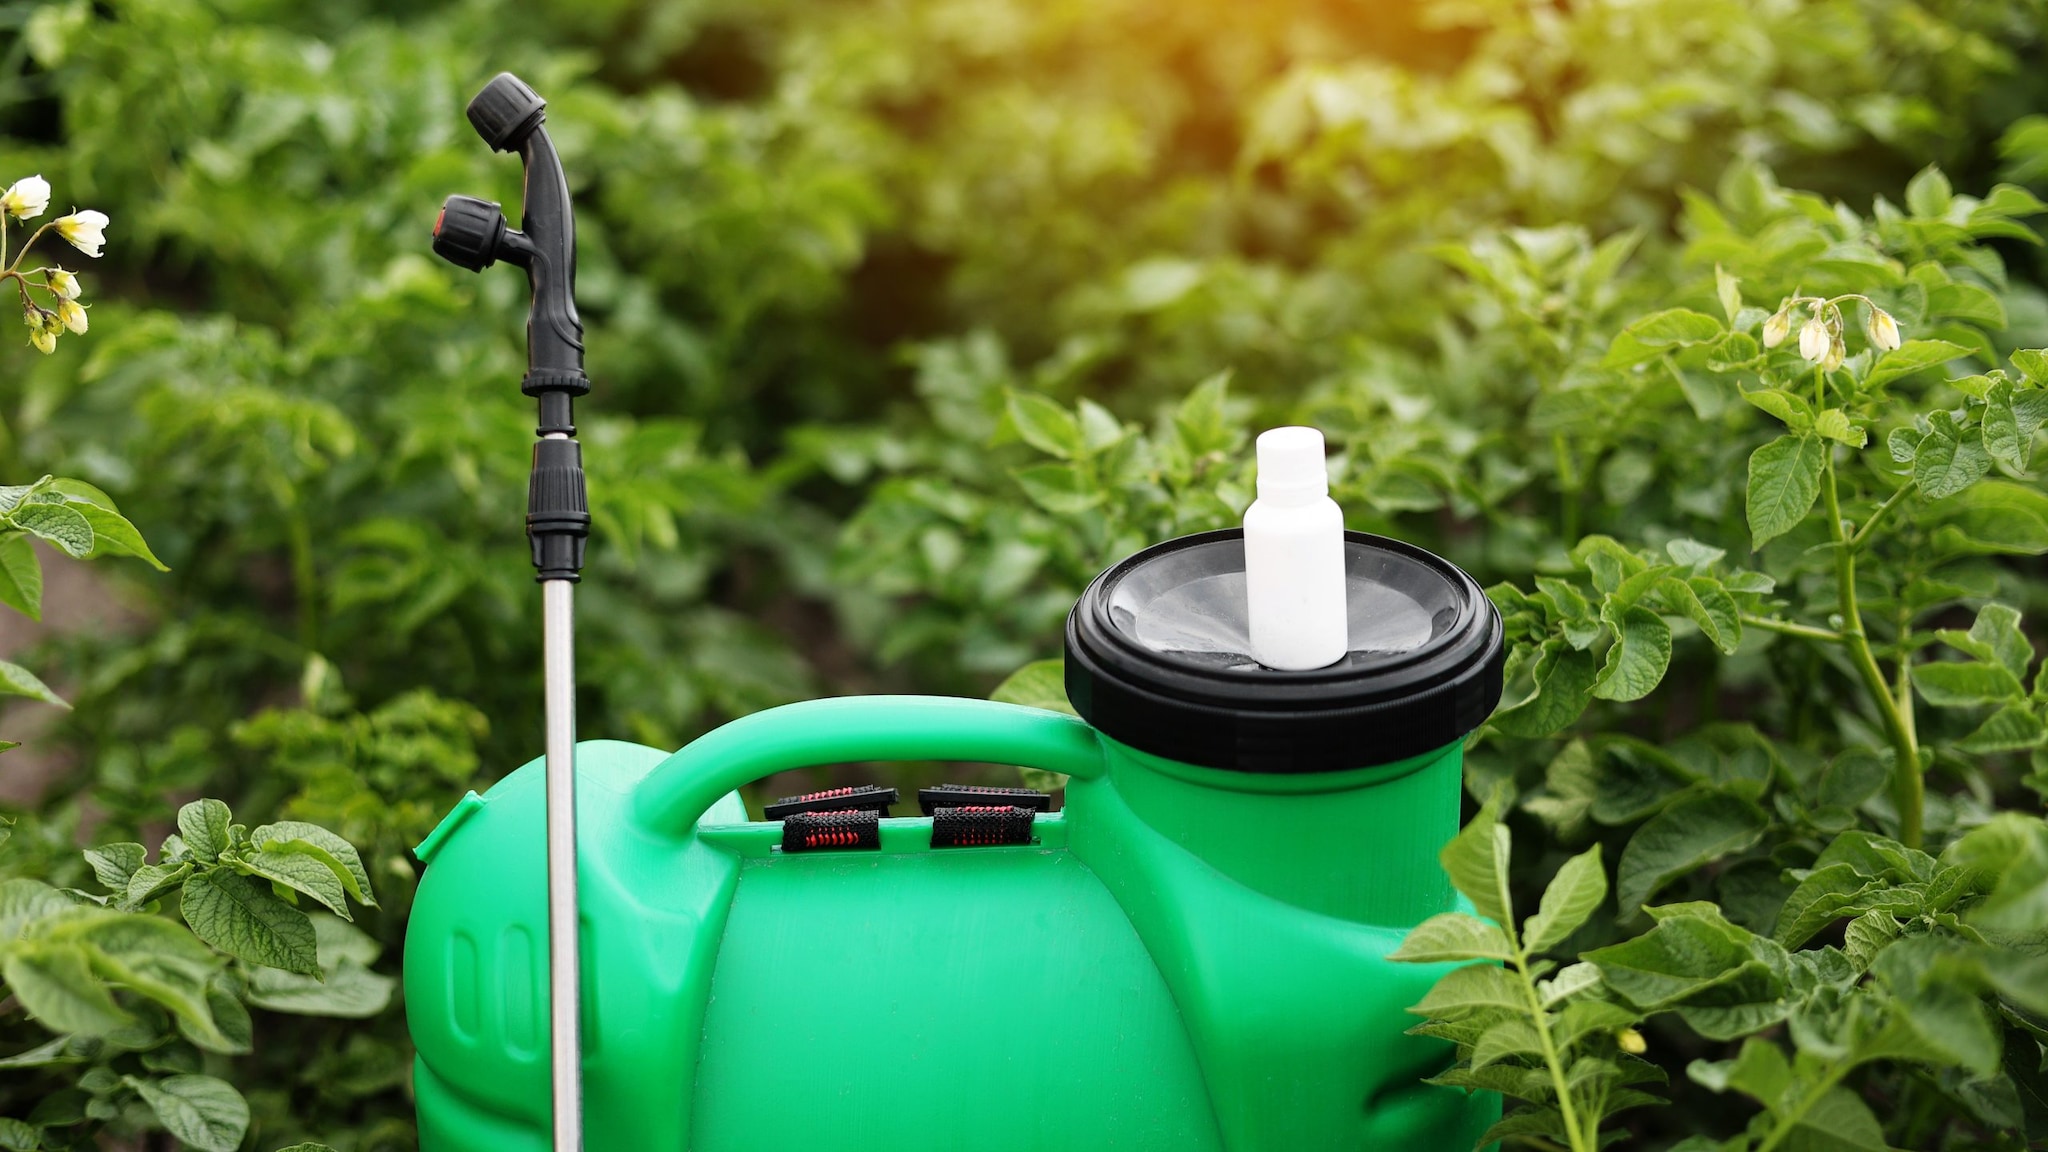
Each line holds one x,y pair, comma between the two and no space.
1367,709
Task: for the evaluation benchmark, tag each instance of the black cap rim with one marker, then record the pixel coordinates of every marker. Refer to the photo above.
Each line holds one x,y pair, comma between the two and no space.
1357,713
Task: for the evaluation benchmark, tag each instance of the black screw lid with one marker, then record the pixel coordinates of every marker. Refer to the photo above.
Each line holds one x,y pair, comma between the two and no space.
1157,658
467,232
505,112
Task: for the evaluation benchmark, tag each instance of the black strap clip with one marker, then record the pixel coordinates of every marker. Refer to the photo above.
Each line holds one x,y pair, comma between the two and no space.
816,831
977,795
981,826
863,797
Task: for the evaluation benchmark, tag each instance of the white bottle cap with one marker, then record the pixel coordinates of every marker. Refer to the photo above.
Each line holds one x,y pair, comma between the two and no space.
1291,465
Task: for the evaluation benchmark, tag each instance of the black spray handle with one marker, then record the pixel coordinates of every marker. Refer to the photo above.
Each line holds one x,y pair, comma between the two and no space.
472,233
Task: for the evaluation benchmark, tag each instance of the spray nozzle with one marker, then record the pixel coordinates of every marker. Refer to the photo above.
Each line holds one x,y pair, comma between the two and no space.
472,234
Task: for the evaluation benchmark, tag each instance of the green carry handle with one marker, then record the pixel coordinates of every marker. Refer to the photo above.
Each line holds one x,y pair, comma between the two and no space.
673,797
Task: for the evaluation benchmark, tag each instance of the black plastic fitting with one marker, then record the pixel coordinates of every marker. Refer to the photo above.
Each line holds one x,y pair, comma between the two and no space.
557,509
468,232
471,233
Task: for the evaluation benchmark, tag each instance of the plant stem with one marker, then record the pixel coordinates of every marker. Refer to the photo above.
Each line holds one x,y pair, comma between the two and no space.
1787,1121
1579,1139
1907,790
1568,487
1877,517
1788,628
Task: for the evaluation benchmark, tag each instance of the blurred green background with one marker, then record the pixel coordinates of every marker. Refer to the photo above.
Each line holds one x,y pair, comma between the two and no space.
824,244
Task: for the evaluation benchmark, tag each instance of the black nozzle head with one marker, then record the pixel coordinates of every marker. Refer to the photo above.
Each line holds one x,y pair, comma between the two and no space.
506,112
468,231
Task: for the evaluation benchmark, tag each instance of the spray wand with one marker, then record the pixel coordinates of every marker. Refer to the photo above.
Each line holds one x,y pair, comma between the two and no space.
472,233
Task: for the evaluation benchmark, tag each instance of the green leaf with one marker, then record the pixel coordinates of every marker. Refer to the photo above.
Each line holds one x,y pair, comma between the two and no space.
1682,957
1572,896
206,1113
60,524
1834,424
1046,426
1564,680
2033,364
1675,328
1834,891
113,535
349,991
1729,289
2009,729
1202,419
115,864
204,825
307,1147
1760,1071
1688,835
241,916
21,576
1058,488
1948,462
1704,601
1839,1122
2001,429
19,1136
1476,860
1514,1036
1452,936
300,872
1040,684
1961,684
1929,196
1790,408
1784,481
55,982
1910,357
18,681
1474,988
1637,661
311,839
153,880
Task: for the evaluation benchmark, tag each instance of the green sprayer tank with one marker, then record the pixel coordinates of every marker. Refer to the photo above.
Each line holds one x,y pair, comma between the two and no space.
1189,956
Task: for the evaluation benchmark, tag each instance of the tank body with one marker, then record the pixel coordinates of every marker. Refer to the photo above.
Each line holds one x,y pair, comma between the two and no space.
1186,959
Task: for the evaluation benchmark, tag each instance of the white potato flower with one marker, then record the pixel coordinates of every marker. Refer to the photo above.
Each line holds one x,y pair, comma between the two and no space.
1883,330
26,198
1777,328
72,314
1814,340
86,230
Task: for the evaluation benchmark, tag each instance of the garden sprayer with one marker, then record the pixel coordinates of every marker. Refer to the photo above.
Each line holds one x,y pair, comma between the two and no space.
1190,955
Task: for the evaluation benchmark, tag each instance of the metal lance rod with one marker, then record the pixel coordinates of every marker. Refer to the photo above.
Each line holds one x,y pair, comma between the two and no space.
473,234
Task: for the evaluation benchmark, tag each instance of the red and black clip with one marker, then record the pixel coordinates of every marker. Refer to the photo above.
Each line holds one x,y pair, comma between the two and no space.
976,795
863,797
815,831
981,826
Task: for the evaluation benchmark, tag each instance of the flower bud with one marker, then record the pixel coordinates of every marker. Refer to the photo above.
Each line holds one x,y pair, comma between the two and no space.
1631,1041
1777,328
1883,330
26,198
1837,352
1814,340
63,284
42,329
72,315
86,230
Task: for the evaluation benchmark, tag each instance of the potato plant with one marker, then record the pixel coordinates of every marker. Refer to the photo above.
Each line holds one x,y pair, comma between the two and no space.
909,317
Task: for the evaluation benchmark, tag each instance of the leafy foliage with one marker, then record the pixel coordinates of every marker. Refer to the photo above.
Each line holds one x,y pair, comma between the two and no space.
907,318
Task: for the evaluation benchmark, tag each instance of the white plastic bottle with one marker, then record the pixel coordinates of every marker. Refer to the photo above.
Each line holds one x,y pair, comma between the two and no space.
1294,556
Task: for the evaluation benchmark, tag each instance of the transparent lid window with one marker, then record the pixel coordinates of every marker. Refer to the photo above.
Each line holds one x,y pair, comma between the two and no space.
1188,606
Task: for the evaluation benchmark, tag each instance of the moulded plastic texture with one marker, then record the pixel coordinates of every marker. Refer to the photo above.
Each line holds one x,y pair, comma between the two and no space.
1186,959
